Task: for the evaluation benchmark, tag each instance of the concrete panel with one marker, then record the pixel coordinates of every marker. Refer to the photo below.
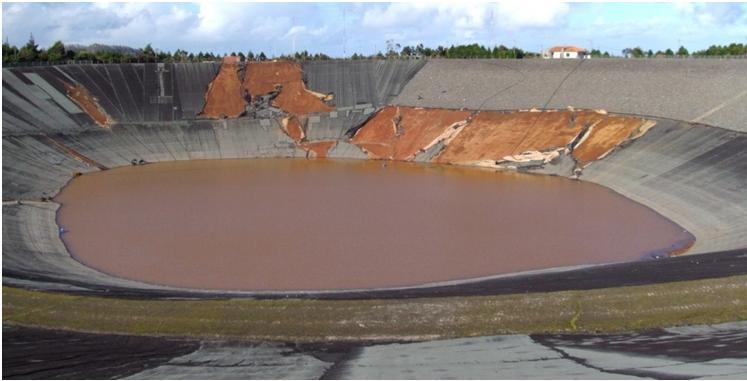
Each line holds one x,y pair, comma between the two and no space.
677,89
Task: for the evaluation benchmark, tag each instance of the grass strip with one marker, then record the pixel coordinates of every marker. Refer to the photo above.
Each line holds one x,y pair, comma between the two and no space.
707,301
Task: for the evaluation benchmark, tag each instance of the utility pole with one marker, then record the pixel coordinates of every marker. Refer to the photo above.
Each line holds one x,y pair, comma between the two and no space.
344,31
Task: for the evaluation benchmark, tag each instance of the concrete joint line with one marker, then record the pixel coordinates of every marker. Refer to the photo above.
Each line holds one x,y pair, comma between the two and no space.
719,107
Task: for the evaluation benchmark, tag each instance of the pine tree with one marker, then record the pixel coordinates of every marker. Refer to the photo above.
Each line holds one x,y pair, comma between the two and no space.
29,52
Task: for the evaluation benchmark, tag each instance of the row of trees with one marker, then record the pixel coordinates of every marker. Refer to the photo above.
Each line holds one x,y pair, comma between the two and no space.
101,53
58,53
637,52
733,49
395,50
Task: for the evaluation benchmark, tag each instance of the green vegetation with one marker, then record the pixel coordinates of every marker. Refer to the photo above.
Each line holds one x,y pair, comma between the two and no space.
731,50
725,50
59,53
626,308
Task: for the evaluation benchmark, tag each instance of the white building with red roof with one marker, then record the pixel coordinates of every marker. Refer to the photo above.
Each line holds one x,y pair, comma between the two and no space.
565,51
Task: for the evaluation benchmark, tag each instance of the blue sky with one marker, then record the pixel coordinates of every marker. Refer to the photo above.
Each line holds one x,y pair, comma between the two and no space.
337,28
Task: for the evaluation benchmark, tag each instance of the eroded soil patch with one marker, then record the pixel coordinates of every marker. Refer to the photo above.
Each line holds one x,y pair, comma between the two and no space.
88,103
286,77
224,97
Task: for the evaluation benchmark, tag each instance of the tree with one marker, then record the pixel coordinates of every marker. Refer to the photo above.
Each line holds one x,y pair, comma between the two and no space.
669,53
262,57
29,52
10,53
250,56
147,54
392,48
682,52
56,52
242,57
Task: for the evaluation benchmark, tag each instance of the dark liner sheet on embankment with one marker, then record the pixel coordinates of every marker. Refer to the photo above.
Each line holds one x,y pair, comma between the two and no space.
654,271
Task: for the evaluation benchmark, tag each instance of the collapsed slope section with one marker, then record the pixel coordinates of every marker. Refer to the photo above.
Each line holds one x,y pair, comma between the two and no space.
259,85
224,97
285,78
495,139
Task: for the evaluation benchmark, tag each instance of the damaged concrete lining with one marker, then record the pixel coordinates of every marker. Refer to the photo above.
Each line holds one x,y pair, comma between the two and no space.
224,97
691,173
497,139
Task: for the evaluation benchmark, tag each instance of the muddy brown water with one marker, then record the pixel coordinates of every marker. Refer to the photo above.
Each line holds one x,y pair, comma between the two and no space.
292,224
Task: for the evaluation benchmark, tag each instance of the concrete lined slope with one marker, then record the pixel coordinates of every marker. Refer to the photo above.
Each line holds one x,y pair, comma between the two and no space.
712,91
33,167
37,101
76,97
126,93
364,83
32,248
694,175
223,139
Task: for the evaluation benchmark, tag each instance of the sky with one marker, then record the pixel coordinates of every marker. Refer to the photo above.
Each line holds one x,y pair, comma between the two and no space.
345,28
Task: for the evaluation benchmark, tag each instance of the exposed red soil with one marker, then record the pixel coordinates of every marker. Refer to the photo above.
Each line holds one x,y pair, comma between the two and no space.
319,149
494,135
75,154
88,103
292,127
604,137
264,77
225,98
399,133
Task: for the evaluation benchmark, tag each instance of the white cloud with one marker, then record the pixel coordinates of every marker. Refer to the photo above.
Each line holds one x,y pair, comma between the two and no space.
223,27
515,14
504,14
298,30
712,14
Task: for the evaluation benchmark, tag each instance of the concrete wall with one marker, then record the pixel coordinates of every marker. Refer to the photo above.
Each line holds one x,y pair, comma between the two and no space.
364,83
710,91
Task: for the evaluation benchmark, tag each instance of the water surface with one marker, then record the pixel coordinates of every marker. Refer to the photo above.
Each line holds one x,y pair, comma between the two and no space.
282,224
